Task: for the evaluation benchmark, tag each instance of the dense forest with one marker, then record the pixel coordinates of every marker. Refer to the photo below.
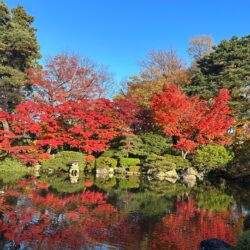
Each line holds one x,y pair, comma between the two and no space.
165,120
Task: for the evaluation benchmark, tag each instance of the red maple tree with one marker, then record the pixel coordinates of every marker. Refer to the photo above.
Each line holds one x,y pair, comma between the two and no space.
191,121
66,78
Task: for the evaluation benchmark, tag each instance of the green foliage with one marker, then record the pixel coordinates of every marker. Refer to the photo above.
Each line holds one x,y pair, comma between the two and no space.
11,171
243,242
105,184
129,145
106,162
211,157
158,163
138,146
109,153
178,161
213,199
134,169
155,143
125,162
226,67
131,182
61,183
62,159
162,188
149,204
239,167
12,165
19,50
90,165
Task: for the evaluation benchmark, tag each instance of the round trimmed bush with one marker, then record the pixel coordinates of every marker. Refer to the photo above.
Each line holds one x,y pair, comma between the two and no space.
62,159
211,157
125,162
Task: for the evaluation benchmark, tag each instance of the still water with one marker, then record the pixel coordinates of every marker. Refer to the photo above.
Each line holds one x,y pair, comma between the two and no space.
49,212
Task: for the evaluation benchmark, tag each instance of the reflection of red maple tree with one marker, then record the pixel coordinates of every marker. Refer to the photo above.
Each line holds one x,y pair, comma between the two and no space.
74,220
188,226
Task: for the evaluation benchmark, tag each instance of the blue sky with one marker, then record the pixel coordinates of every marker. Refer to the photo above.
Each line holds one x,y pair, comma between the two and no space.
118,33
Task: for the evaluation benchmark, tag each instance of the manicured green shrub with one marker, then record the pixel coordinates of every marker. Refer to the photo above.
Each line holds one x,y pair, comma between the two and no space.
105,184
155,143
138,146
109,153
120,170
134,169
158,163
243,242
90,165
211,157
128,146
178,161
62,159
61,183
11,171
132,182
106,162
125,162
12,165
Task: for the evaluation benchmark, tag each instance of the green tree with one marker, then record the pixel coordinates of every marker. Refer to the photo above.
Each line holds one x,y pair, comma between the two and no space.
19,50
228,66
211,157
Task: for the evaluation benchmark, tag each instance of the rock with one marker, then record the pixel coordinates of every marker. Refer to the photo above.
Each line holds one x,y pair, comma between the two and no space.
189,180
37,167
171,180
160,175
215,244
51,171
190,175
102,171
150,171
170,176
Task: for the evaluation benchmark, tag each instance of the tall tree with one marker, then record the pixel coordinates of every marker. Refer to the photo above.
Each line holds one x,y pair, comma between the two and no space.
19,50
200,46
67,77
158,68
228,66
191,121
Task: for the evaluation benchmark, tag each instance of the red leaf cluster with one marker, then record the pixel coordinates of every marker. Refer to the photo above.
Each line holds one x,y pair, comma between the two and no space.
192,121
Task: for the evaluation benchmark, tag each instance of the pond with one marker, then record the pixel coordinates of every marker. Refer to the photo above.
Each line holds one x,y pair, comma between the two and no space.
49,212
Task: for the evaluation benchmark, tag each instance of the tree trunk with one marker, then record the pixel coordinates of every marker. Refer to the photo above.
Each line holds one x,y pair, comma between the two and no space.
48,151
184,154
6,126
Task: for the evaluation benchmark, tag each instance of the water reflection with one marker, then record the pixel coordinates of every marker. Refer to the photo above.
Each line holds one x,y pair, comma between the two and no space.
117,213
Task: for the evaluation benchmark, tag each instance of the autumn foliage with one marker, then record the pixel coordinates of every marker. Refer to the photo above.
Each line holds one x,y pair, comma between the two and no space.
86,125
189,225
191,121
58,221
66,111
